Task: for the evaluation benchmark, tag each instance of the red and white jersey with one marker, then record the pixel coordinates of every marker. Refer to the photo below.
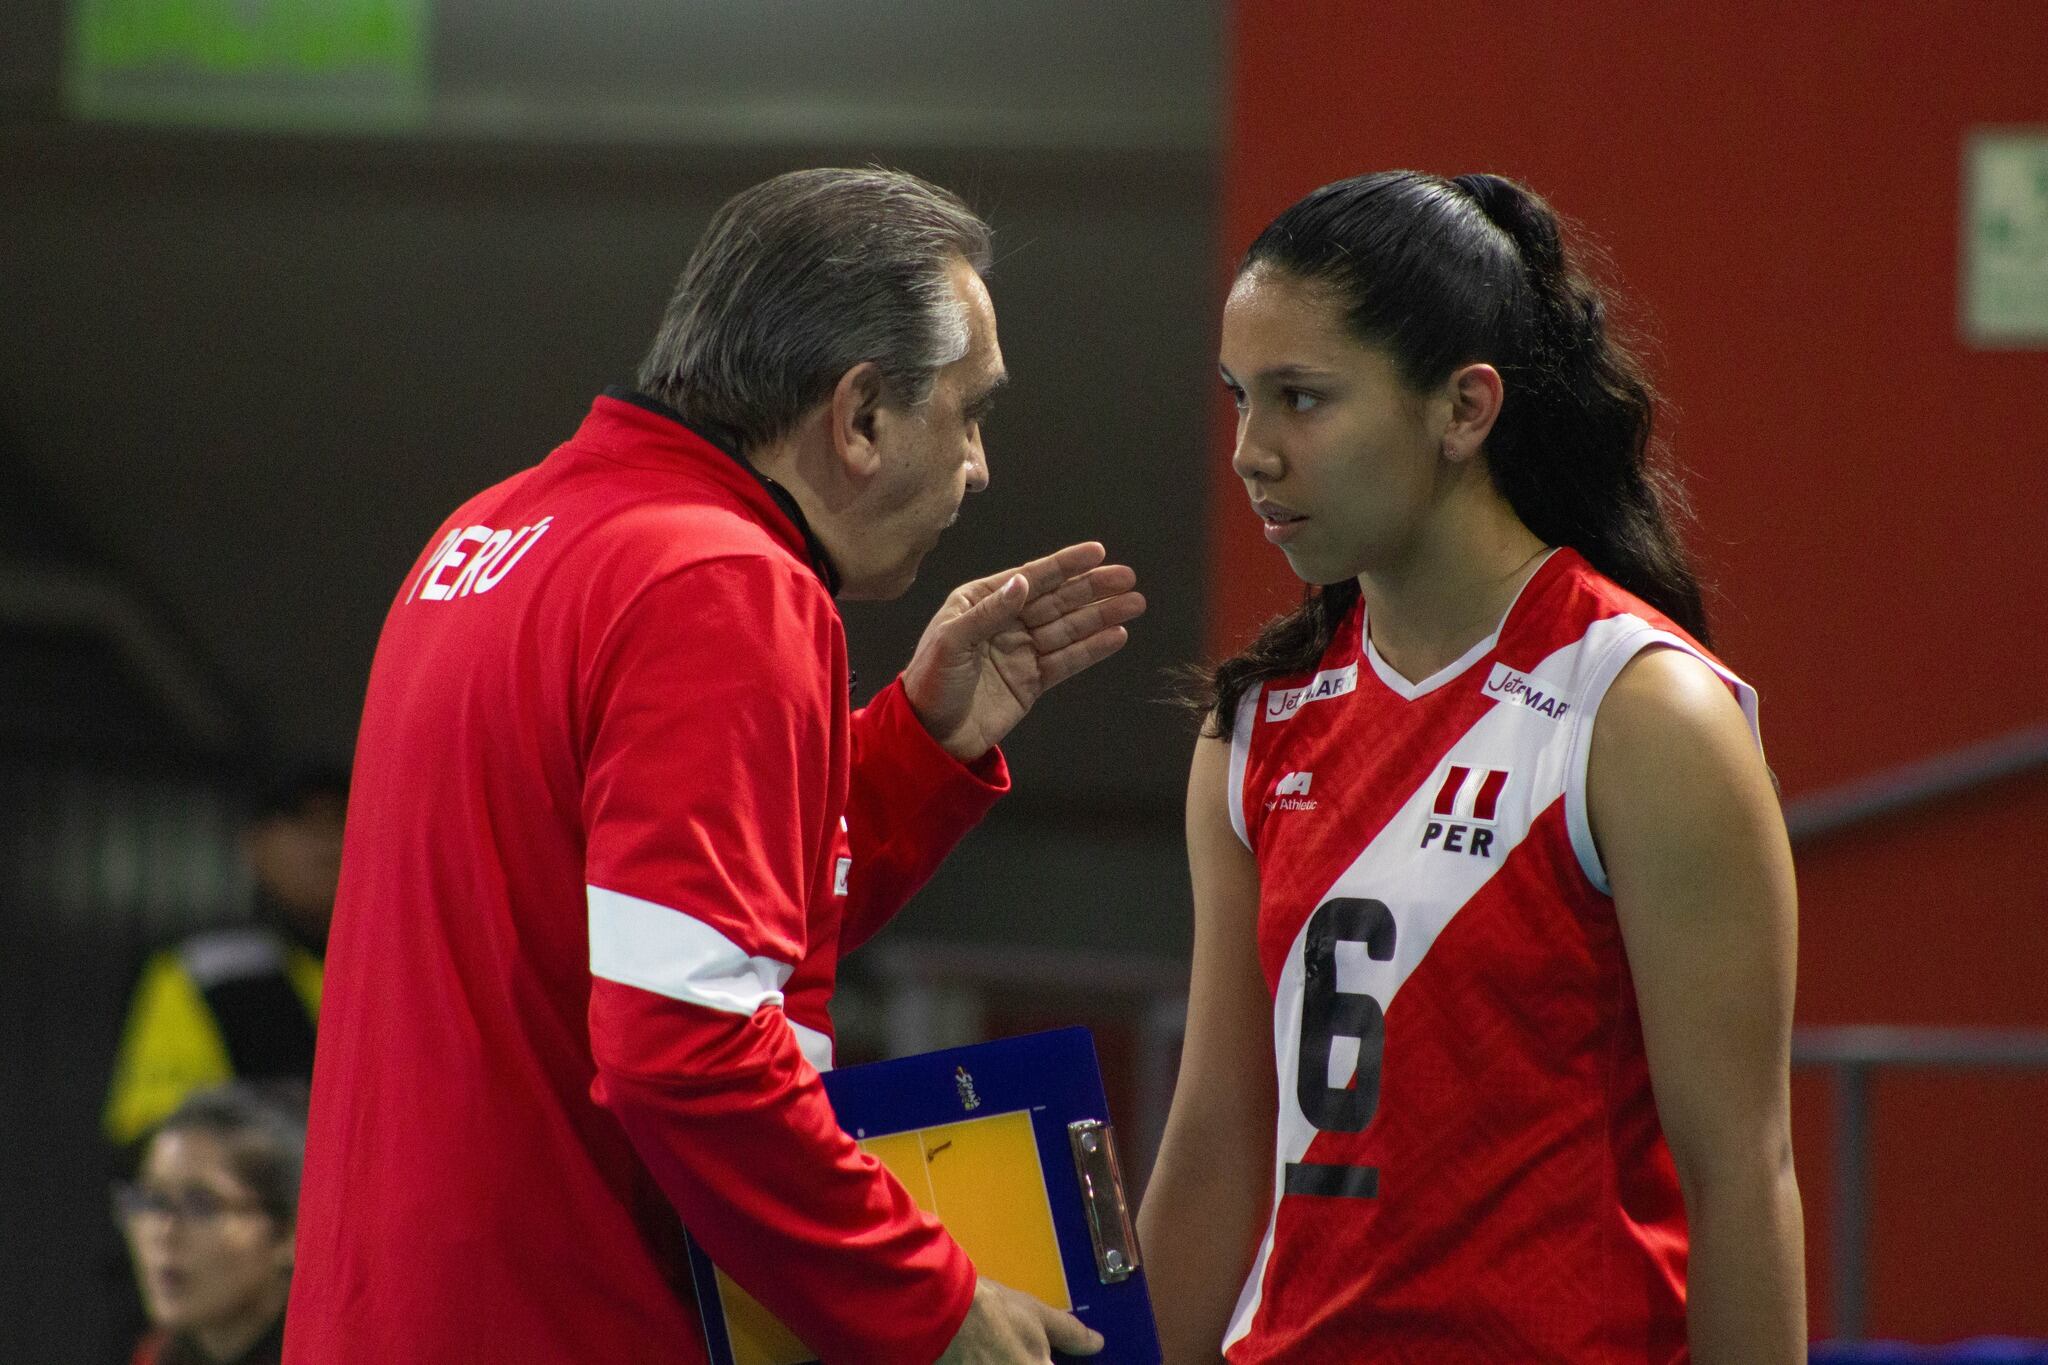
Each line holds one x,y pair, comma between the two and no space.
1468,1165
612,826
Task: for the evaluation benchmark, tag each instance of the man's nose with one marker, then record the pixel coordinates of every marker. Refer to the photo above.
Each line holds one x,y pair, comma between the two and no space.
977,465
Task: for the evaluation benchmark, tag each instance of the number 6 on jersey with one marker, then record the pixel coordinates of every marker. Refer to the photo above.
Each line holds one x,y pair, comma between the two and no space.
1327,1014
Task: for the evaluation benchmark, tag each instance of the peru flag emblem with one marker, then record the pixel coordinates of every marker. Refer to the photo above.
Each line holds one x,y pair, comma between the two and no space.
1470,794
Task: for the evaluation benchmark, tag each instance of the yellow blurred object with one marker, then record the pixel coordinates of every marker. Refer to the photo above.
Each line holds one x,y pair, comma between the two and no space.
174,1042
982,1179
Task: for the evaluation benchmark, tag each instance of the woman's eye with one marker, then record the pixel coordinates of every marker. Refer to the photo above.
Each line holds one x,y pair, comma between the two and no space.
1299,400
1237,398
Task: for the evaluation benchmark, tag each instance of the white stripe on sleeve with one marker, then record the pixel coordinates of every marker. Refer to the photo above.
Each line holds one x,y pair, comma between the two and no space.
645,944
816,1047
1629,636
1240,755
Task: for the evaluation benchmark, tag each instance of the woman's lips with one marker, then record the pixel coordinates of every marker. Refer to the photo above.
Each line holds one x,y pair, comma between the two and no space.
1280,523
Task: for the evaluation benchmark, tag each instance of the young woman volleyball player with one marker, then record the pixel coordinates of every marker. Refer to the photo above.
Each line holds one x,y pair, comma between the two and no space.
1489,1024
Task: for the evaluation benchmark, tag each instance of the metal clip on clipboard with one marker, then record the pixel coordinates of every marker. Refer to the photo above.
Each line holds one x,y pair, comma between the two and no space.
1102,1194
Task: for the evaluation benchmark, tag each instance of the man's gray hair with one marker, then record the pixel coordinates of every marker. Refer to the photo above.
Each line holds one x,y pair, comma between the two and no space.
803,277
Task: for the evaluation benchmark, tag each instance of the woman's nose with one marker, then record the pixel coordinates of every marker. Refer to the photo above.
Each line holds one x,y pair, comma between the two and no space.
1252,458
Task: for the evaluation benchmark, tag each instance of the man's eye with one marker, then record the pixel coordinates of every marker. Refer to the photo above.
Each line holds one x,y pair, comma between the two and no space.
1237,398
1300,400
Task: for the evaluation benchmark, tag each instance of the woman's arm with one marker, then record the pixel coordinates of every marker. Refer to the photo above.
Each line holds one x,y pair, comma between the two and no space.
1689,830
1211,1188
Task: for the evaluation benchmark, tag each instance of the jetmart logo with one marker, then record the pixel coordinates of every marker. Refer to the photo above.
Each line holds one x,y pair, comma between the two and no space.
1331,682
1507,685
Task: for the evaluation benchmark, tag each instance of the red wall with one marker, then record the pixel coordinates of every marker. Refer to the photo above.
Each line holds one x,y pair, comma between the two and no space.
1779,188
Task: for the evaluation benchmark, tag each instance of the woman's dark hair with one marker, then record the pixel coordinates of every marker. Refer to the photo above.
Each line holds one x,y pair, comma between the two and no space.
1442,273
263,1131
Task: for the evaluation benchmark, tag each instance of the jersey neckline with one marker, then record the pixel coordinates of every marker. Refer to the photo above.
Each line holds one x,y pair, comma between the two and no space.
1450,672
726,443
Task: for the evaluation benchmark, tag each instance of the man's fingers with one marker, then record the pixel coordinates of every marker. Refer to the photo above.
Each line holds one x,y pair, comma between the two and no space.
1056,568
1104,581
1047,572
992,613
1057,667
1085,621
1067,1334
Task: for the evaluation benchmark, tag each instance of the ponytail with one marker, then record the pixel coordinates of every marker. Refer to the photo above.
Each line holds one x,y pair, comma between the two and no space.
1572,451
1444,273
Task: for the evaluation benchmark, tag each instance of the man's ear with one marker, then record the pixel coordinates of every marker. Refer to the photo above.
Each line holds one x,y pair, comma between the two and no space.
856,399
1476,393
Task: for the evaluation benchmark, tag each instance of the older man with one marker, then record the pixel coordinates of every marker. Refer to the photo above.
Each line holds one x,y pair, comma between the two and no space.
613,826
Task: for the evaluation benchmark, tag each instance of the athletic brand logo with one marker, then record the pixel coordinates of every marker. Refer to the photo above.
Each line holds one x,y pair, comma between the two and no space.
474,559
1464,811
1331,682
1507,685
840,872
1291,793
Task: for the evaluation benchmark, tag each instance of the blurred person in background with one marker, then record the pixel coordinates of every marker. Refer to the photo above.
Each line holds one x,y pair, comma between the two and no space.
614,825
240,1002
1488,1038
209,1220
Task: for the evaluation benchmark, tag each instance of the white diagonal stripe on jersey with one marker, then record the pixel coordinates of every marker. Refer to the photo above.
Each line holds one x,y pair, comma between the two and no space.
816,1047
1535,785
642,943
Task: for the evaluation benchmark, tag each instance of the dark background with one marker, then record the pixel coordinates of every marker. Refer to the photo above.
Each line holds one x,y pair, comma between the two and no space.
244,370
244,373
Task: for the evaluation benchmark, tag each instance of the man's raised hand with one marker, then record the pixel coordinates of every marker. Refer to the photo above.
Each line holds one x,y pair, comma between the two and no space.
1000,642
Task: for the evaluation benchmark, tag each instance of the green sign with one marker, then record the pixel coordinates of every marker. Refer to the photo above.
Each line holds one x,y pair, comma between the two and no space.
286,64
2005,239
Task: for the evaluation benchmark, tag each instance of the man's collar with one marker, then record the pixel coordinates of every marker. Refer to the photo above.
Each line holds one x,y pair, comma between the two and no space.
728,441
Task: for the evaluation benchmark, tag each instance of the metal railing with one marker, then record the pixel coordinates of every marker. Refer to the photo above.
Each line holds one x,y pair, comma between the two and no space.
934,996
1915,784
1854,1057
89,605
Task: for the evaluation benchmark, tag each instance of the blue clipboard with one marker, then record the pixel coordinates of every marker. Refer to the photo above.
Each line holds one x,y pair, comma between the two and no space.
1008,1143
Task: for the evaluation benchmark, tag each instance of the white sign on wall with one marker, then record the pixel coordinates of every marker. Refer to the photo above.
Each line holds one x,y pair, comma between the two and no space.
2005,238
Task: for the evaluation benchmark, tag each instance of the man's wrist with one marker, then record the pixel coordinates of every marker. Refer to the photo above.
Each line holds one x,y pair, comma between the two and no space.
964,745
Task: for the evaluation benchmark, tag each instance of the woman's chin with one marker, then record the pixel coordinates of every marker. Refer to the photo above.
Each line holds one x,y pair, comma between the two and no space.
1309,566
